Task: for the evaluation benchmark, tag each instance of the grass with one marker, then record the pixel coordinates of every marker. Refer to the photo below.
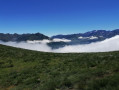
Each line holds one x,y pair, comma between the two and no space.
32,70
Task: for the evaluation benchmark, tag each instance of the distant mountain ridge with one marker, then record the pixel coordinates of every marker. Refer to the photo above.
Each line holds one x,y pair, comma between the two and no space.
88,37
22,37
96,33
74,39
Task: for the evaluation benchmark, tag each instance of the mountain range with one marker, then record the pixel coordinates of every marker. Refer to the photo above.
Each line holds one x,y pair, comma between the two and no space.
62,40
97,33
22,37
89,37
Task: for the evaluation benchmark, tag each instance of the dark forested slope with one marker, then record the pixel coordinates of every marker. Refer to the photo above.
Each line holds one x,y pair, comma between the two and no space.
22,37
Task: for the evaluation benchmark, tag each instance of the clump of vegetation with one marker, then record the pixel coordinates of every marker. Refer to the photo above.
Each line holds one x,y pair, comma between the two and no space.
31,70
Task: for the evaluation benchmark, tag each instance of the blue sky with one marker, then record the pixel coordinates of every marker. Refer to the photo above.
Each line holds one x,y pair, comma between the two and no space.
52,17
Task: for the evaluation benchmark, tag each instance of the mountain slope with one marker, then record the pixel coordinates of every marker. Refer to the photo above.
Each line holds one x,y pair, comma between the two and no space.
22,37
88,37
31,70
97,33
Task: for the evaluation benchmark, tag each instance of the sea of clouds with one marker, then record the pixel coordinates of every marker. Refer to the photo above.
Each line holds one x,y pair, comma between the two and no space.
111,44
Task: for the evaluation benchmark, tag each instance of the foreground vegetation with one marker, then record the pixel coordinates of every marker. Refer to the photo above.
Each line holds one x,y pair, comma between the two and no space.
31,70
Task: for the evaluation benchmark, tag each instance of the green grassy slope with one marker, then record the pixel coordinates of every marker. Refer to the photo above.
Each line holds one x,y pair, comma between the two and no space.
31,70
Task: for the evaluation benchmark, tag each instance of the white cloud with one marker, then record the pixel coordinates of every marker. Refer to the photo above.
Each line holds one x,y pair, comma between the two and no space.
31,46
39,41
92,37
61,40
48,41
80,37
111,44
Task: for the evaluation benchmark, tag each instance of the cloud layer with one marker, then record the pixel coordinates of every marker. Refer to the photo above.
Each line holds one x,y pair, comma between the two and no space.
31,46
48,41
111,44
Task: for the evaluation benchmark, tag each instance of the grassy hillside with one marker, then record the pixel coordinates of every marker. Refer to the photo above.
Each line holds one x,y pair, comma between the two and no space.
31,70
